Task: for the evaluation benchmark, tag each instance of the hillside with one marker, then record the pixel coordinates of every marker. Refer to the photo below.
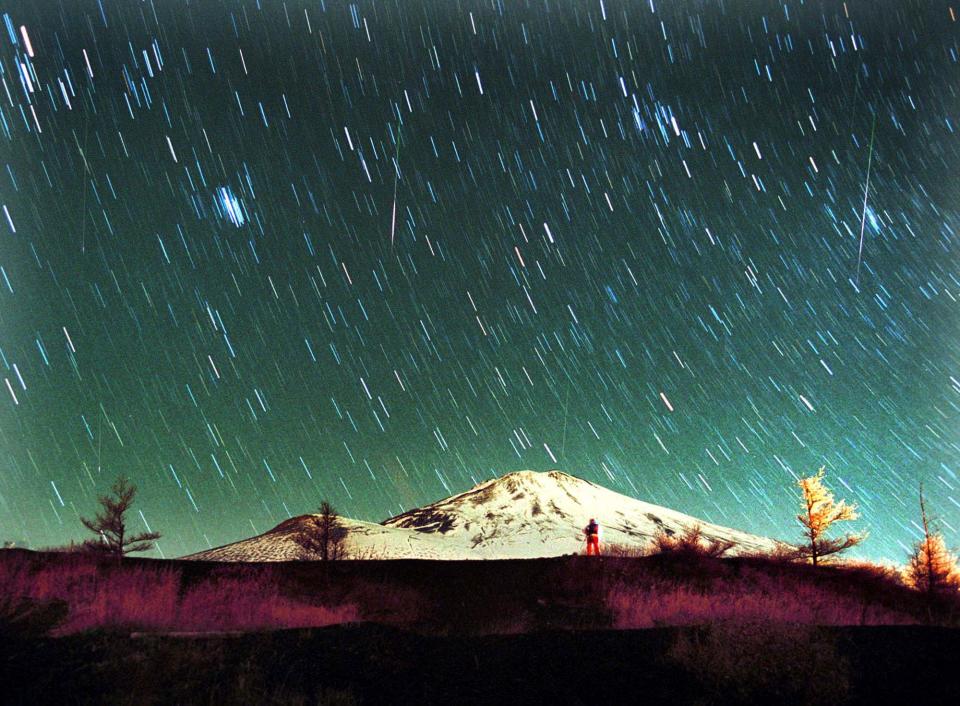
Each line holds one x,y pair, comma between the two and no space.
557,630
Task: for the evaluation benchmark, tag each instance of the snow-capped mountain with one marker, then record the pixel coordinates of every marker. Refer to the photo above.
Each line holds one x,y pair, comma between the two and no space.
520,515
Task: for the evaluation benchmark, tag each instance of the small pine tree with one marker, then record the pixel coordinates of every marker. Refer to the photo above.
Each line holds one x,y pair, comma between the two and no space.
820,511
932,568
110,523
323,536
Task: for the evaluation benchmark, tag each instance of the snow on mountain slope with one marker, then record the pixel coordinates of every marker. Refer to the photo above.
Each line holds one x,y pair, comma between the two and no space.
364,540
528,514
520,515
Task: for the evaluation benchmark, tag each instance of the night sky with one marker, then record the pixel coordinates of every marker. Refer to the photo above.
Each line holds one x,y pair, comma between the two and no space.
258,253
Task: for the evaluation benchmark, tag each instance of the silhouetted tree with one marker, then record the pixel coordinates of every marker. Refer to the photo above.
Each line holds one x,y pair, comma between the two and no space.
323,535
932,568
110,523
820,511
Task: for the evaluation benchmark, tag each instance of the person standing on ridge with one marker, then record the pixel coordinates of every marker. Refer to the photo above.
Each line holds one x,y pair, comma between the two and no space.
592,532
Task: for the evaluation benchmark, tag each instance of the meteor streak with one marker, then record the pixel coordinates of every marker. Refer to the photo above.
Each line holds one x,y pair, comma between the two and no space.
866,194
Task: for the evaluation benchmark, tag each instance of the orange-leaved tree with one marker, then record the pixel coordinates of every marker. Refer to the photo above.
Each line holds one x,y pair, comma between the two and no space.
820,511
932,568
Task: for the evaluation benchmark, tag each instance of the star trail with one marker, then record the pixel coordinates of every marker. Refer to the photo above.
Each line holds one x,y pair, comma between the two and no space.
256,253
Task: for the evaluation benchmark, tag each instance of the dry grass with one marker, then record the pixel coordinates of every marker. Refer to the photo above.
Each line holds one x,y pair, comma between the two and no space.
670,604
624,551
114,595
761,590
78,592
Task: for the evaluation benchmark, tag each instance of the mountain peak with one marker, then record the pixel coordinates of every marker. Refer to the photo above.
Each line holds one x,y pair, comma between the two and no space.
528,493
554,475
533,479
519,514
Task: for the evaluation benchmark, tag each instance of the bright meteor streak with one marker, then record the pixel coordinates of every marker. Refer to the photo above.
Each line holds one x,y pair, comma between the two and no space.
866,194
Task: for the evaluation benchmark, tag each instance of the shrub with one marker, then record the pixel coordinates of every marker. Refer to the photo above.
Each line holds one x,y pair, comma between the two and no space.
778,662
691,541
22,617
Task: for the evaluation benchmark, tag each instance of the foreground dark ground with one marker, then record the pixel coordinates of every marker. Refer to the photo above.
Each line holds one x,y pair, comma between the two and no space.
86,629
369,664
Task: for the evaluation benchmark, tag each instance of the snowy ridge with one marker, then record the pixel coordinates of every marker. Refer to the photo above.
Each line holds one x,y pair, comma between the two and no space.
364,540
525,514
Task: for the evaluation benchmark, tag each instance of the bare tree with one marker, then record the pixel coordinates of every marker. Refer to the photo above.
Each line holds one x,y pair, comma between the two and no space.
110,523
932,568
820,511
323,535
